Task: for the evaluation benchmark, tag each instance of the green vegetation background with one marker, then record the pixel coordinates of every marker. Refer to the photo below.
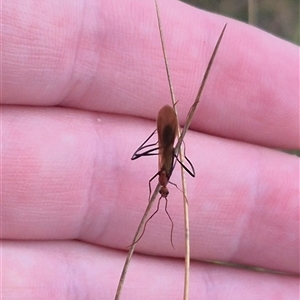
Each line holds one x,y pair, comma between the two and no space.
279,17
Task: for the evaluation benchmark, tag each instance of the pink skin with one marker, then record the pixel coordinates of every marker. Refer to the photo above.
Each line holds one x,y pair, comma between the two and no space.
82,82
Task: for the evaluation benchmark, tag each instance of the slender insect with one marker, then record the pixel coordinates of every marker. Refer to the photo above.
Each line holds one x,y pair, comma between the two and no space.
166,129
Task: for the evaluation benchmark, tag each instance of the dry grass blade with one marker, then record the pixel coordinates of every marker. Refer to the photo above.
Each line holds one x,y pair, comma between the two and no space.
197,100
132,246
178,146
177,150
181,157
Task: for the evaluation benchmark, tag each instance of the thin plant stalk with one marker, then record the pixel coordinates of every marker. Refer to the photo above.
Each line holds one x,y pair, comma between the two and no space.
177,150
181,157
197,100
132,246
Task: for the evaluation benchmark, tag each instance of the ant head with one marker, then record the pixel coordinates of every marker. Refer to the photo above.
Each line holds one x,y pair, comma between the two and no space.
164,192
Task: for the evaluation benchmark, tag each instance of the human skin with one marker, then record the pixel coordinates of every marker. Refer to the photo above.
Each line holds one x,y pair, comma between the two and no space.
82,82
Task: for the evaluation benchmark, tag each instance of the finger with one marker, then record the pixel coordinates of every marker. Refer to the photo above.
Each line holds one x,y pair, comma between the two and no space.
71,177
111,63
68,270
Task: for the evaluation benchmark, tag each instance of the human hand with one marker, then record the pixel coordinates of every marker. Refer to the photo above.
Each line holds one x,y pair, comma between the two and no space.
82,84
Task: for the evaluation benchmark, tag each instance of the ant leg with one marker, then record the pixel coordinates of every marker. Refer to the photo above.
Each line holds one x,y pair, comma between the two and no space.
146,153
178,189
137,155
144,229
166,210
191,172
150,184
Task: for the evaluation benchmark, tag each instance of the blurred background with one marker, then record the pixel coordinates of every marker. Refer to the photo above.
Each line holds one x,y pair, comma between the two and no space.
279,17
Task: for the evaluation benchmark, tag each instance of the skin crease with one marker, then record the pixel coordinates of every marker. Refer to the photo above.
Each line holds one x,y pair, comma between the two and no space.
82,82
